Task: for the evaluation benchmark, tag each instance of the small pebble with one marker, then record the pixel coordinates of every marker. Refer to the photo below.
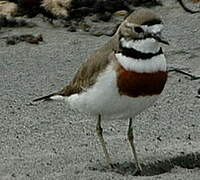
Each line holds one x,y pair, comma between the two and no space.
121,13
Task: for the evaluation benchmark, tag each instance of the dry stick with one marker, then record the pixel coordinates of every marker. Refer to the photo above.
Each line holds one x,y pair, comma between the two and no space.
185,8
193,76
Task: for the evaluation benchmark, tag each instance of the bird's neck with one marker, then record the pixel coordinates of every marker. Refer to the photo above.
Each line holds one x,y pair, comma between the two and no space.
143,55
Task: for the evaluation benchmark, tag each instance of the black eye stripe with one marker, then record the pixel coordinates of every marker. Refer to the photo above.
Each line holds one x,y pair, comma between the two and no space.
152,22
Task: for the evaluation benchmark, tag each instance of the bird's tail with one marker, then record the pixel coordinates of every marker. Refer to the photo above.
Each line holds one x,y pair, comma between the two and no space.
53,96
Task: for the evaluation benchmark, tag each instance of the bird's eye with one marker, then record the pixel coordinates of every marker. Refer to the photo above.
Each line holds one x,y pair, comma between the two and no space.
138,29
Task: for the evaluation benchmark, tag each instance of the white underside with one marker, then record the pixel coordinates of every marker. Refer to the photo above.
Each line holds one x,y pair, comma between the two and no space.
103,98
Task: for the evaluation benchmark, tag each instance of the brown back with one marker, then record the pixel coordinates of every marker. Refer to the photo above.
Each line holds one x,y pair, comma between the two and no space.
91,68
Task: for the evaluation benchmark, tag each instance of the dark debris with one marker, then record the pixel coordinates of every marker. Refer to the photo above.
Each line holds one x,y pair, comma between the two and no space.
29,38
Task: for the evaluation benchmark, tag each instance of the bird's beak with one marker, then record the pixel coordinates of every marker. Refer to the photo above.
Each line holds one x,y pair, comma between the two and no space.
158,37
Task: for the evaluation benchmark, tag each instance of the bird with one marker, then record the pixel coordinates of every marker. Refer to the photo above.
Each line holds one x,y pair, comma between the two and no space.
122,78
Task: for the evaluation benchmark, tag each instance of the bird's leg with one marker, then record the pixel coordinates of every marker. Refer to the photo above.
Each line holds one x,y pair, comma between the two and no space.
131,138
99,132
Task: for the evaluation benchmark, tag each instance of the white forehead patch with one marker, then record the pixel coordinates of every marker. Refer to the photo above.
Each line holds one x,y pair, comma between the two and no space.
153,29
148,45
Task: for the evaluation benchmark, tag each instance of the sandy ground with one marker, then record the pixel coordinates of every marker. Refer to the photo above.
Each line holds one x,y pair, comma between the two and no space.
49,141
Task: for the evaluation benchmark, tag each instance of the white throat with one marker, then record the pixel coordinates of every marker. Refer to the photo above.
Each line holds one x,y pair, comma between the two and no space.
148,45
155,64
151,65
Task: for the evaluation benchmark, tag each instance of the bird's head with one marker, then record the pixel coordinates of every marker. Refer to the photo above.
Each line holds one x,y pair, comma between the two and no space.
141,30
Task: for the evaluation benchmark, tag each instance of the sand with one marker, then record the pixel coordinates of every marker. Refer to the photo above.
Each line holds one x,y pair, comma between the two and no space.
50,141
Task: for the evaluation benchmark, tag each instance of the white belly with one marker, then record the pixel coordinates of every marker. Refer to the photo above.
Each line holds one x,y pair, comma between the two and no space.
103,98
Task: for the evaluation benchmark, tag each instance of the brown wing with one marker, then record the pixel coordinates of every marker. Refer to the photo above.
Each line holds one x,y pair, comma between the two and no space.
89,70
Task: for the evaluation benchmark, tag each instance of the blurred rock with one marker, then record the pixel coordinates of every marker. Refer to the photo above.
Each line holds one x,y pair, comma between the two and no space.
8,9
59,8
146,3
105,16
29,38
78,15
80,8
70,9
15,22
100,29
